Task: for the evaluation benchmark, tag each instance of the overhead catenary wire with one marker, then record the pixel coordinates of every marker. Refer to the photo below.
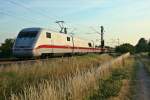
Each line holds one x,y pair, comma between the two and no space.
17,17
22,17
16,4
94,30
37,11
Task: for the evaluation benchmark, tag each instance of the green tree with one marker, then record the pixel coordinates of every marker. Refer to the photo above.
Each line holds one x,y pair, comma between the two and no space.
142,45
149,54
149,45
149,48
125,48
6,48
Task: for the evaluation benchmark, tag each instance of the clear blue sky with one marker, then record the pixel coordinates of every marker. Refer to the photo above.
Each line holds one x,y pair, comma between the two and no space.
127,20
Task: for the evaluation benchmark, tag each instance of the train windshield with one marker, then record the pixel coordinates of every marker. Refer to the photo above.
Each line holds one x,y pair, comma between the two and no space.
29,34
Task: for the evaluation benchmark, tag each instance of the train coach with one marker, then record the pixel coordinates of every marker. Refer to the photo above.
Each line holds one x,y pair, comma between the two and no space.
37,42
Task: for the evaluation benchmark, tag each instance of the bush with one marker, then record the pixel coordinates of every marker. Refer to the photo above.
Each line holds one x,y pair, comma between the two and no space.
6,48
125,48
149,54
107,88
142,45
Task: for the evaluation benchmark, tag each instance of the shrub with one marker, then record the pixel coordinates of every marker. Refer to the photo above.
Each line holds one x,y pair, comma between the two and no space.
149,54
125,48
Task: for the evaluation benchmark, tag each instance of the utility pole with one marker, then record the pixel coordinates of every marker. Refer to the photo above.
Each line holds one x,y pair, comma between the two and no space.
102,37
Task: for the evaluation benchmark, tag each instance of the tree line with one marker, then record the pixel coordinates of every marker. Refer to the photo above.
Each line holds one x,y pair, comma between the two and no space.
143,45
6,48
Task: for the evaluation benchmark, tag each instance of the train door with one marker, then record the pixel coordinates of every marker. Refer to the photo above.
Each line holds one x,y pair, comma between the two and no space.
69,44
72,44
50,42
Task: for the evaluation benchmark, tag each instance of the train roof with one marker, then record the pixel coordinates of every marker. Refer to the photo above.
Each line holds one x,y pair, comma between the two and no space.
36,29
32,29
40,29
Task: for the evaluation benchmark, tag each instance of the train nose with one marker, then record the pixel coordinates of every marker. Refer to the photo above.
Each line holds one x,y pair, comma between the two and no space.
23,52
23,47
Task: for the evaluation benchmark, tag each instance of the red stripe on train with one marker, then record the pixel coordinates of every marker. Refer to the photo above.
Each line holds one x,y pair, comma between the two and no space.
65,47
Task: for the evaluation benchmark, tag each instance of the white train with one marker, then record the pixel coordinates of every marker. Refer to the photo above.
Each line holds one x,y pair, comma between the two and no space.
36,42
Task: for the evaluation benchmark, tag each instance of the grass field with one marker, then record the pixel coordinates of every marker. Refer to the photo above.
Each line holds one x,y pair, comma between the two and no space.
119,85
14,79
63,79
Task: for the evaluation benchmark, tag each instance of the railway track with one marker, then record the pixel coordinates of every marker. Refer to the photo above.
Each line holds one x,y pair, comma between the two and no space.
10,62
13,61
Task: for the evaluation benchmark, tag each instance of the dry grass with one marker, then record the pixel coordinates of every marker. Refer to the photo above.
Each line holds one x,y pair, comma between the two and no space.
17,77
63,79
70,87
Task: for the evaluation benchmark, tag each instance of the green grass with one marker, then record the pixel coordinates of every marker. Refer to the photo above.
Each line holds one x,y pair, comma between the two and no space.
108,88
133,83
111,87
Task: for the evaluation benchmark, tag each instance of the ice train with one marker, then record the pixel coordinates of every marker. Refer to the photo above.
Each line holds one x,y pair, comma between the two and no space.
37,42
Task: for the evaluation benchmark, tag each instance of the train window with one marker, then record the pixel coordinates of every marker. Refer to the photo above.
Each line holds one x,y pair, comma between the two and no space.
68,38
29,34
90,45
48,35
